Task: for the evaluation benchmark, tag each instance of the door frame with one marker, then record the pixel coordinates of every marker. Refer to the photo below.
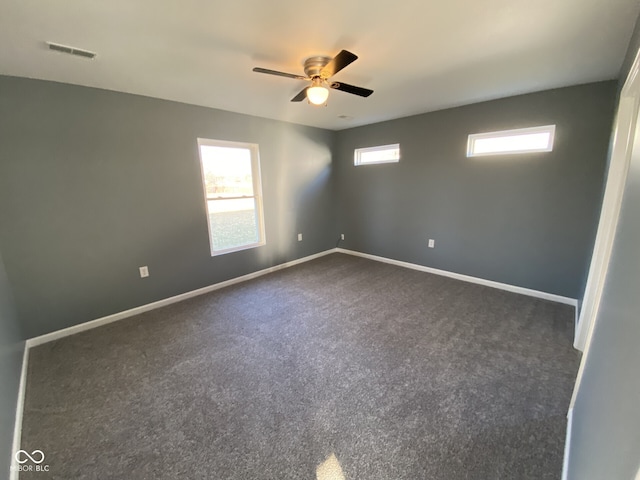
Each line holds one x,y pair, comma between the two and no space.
622,146
626,139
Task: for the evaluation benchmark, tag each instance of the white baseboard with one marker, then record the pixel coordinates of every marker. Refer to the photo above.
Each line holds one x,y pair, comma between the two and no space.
49,337
567,446
17,429
466,278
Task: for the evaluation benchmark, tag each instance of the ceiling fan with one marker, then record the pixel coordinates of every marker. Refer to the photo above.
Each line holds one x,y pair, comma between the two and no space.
318,70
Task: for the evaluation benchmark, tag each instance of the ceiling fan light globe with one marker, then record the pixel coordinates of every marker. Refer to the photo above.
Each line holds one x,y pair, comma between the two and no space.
317,95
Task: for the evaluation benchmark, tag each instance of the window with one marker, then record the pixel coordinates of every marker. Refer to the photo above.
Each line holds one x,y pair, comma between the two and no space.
381,154
233,195
522,140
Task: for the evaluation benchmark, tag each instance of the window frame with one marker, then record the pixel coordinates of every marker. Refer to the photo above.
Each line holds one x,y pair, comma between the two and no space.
357,154
257,192
550,129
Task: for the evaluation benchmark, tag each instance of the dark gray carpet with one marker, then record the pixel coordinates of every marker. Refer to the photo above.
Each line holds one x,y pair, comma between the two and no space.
399,374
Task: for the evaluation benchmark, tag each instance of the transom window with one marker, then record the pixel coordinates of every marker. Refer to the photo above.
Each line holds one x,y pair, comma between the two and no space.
233,195
521,140
380,154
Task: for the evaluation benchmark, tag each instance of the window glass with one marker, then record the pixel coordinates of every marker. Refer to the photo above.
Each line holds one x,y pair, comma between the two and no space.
380,154
523,140
231,177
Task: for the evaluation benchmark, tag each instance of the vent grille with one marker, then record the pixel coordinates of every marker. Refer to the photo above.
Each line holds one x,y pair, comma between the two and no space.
79,52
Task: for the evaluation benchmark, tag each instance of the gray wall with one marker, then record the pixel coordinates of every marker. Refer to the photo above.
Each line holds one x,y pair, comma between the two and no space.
94,184
11,350
526,220
606,417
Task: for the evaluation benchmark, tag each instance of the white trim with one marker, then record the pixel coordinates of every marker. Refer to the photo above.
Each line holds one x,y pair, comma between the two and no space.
17,429
623,139
519,132
49,337
567,443
467,278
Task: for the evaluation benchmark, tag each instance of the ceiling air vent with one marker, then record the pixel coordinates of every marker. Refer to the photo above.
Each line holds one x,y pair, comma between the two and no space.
71,50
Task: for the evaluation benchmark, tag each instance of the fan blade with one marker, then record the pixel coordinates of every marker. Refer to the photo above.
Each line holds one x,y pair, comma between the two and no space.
280,74
345,87
301,96
338,62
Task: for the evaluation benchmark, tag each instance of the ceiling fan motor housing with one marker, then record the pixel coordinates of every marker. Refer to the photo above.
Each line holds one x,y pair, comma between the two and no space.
314,65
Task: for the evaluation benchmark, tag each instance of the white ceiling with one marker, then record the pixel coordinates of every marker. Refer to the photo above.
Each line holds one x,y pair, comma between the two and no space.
418,56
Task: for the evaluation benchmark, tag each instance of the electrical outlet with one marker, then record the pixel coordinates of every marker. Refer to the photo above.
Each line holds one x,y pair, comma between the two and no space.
299,237
432,243
144,271
342,236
